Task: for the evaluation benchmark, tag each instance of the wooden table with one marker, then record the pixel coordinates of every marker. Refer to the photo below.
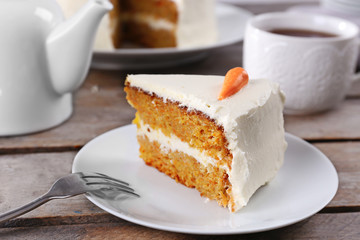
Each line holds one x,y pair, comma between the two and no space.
31,163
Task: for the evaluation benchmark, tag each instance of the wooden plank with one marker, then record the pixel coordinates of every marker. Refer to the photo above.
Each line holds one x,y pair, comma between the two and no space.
26,177
320,226
354,91
23,177
338,124
346,159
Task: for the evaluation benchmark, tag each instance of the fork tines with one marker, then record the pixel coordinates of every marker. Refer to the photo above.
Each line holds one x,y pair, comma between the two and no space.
109,183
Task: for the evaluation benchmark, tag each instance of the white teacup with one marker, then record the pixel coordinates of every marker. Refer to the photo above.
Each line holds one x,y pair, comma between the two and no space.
314,72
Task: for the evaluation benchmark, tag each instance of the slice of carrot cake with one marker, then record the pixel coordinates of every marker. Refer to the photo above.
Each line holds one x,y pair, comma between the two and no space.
226,149
153,23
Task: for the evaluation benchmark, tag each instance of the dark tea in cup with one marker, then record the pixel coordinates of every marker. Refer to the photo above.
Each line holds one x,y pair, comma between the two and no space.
302,33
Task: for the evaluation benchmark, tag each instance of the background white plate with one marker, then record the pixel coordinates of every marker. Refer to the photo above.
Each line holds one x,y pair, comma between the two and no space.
231,27
263,6
304,185
268,2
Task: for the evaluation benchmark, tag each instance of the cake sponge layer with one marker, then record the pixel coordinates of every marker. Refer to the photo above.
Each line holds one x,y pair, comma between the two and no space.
142,33
193,127
210,181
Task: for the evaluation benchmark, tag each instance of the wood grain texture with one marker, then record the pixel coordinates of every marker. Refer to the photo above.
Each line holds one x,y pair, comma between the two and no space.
341,123
346,158
30,176
320,226
354,91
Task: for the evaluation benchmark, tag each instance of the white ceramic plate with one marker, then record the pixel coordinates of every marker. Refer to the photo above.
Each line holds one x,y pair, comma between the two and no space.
304,185
231,27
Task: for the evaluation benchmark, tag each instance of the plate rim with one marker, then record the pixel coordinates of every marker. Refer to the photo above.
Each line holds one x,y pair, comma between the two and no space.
201,231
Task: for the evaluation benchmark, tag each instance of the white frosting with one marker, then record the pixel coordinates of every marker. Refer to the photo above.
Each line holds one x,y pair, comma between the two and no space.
196,24
252,120
154,23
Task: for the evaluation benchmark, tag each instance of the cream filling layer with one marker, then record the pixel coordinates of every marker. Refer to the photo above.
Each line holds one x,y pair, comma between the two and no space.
174,143
152,22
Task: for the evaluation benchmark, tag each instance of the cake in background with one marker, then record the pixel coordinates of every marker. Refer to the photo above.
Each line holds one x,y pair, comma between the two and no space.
153,23
227,148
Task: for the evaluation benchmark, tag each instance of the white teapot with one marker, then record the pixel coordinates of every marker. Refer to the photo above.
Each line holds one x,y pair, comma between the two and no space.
43,59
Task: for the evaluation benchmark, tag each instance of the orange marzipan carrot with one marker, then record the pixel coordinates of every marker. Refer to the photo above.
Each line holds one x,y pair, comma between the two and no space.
235,79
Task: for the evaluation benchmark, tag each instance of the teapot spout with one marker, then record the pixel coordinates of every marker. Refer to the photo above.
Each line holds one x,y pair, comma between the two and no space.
69,46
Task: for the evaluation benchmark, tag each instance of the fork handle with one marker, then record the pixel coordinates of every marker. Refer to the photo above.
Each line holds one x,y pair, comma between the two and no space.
24,209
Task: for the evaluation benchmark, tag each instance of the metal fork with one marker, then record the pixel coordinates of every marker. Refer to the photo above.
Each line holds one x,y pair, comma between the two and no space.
74,184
